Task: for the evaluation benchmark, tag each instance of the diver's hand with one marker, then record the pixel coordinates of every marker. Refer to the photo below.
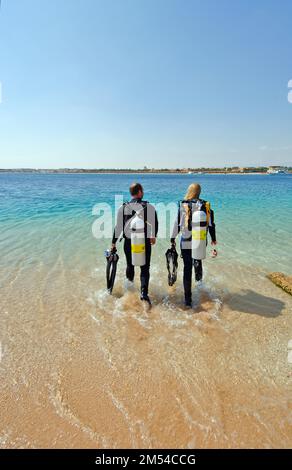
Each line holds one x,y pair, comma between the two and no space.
214,252
113,248
152,241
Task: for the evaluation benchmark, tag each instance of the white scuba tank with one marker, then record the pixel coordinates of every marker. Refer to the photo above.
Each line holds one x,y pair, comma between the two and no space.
199,234
138,241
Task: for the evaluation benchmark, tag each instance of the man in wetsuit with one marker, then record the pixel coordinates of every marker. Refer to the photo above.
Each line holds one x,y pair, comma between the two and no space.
125,215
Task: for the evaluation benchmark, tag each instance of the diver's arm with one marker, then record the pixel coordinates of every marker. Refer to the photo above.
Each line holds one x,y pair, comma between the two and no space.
212,229
176,228
156,225
119,228
153,239
152,222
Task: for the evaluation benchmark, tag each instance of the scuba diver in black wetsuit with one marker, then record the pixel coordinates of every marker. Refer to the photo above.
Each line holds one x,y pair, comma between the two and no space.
194,220
137,223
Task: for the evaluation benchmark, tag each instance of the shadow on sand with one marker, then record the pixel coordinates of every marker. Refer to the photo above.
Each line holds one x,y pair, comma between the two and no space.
249,301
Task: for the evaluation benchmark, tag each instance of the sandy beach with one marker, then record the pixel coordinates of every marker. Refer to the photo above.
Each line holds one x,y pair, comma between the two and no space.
97,372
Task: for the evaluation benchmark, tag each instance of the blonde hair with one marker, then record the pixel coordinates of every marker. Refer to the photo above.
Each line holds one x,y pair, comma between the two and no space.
193,192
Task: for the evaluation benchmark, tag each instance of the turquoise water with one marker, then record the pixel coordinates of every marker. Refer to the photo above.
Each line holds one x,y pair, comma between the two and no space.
43,214
81,368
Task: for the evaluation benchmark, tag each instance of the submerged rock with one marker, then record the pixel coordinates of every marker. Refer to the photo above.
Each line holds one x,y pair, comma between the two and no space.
281,280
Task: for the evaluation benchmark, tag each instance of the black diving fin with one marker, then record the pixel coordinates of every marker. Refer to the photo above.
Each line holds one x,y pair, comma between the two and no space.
112,259
172,265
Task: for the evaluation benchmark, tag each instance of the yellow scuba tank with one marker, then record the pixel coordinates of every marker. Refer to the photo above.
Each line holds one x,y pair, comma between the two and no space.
200,221
137,227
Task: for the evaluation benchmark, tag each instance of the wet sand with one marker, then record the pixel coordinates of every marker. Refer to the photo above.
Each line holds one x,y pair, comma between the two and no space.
81,369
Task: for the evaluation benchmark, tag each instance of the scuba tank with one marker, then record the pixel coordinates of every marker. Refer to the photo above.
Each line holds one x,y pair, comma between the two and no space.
137,227
196,224
199,233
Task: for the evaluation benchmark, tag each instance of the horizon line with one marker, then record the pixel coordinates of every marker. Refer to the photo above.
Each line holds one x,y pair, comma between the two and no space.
146,169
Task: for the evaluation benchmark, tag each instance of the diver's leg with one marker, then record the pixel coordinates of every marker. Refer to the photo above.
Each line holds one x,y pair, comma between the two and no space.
198,269
145,274
187,278
130,271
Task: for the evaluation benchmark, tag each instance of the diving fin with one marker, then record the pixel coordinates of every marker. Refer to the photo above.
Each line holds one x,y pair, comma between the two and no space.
172,265
112,259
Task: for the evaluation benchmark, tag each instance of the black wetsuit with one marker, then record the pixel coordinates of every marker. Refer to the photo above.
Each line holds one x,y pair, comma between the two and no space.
125,214
186,250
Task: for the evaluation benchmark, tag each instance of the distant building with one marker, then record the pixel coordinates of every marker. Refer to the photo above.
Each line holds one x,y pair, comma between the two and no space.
276,170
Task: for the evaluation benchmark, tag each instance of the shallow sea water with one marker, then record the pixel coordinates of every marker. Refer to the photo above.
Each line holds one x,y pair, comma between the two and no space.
80,368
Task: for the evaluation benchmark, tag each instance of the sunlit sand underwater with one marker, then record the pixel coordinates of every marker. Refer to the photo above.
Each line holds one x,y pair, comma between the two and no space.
81,368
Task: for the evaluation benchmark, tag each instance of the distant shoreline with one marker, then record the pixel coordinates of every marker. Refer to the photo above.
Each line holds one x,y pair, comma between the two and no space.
190,172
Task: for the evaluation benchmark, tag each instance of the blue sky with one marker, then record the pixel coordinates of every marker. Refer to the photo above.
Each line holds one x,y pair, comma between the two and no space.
128,83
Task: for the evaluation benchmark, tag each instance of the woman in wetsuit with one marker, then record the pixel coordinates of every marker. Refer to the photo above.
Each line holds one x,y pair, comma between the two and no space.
183,225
